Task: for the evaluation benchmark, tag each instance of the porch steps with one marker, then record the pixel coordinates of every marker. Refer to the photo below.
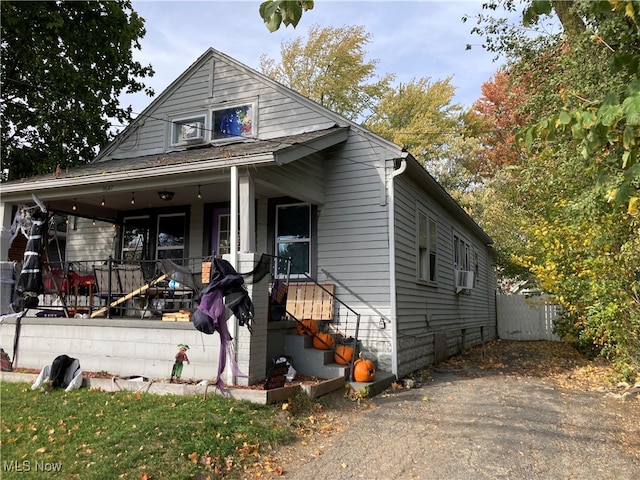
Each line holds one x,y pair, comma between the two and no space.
311,361
308,360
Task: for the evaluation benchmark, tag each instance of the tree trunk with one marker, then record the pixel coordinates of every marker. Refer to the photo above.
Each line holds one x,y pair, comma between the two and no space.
572,23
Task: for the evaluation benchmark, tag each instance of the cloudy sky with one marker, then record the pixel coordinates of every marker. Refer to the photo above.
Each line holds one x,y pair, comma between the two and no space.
411,39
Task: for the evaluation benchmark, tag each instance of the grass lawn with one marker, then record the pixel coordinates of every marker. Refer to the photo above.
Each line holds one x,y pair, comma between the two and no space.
100,435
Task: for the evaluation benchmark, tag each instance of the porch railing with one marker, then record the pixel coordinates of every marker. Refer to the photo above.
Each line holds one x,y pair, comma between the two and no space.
343,322
146,289
112,287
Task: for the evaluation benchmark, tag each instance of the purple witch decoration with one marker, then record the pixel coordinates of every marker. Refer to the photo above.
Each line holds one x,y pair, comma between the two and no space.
223,296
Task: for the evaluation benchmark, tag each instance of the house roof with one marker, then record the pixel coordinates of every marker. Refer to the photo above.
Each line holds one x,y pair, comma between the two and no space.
277,151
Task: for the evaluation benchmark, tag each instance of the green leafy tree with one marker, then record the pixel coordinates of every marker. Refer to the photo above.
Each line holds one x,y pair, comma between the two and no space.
420,117
64,64
287,12
559,228
330,68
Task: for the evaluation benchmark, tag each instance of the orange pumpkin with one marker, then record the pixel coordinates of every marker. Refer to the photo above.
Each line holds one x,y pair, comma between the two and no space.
307,327
323,341
343,354
364,370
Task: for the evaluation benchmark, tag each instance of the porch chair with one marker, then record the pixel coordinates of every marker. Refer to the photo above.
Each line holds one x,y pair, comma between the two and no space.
130,283
108,286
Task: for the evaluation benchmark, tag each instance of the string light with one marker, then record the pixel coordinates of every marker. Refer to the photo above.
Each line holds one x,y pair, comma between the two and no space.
199,194
133,198
102,202
74,207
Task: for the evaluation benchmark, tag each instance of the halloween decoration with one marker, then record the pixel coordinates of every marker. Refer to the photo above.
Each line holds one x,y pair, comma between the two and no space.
343,354
30,283
306,327
64,372
323,341
281,370
181,357
364,370
224,295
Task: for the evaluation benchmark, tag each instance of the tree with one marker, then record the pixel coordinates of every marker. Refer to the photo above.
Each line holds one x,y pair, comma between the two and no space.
496,118
559,228
276,12
64,65
420,117
330,68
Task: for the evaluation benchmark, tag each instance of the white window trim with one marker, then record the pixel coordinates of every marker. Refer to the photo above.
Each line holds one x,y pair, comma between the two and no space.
308,241
254,121
200,116
463,260
429,217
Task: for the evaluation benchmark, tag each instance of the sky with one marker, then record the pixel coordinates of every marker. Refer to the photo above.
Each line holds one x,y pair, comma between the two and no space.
410,39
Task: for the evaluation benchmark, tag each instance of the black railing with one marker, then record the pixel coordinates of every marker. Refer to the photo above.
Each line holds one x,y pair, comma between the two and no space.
343,322
110,287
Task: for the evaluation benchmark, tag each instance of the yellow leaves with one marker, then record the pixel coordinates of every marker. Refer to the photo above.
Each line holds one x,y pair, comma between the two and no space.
634,204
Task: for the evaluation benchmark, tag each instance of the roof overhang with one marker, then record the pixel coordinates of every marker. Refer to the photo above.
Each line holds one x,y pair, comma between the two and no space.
188,162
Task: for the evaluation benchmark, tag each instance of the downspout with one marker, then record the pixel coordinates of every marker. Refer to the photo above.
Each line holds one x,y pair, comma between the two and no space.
392,267
233,259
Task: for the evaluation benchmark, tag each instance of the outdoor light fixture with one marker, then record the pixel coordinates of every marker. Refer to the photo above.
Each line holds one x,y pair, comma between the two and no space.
74,207
199,194
165,195
102,202
133,198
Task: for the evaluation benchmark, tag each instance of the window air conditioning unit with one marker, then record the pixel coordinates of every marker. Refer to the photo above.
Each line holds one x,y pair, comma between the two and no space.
192,132
464,280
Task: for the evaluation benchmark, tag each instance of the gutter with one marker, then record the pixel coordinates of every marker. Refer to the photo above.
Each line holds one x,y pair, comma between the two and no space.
392,266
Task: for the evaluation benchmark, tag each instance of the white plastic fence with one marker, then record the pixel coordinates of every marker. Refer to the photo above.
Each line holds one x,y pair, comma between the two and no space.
526,318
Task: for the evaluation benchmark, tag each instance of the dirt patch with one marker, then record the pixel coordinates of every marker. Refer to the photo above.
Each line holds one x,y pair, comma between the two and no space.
534,410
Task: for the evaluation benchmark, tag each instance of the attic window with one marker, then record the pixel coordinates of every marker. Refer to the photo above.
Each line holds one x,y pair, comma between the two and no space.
233,122
188,130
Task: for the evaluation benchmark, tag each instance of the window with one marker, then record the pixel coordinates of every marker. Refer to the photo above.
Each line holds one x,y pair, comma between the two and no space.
135,238
460,253
224,234
427,247
233,122
188,129
293,237
170,239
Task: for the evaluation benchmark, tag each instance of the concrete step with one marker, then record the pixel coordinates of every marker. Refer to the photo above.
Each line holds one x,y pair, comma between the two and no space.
311,361
381,382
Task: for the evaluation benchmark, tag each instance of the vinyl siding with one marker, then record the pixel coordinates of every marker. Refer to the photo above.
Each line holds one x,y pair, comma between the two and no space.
426,310
89,242
277,113
353,241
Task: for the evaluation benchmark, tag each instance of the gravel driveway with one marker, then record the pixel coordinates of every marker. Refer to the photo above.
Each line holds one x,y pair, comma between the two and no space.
464,422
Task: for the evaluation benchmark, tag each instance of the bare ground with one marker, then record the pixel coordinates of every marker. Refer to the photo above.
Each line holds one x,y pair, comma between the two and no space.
512,410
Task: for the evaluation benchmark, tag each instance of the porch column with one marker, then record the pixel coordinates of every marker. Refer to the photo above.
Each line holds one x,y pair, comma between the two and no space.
7,220
233,259
247,214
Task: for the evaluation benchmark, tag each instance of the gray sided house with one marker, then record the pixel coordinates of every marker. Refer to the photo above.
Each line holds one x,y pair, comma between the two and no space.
226,157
